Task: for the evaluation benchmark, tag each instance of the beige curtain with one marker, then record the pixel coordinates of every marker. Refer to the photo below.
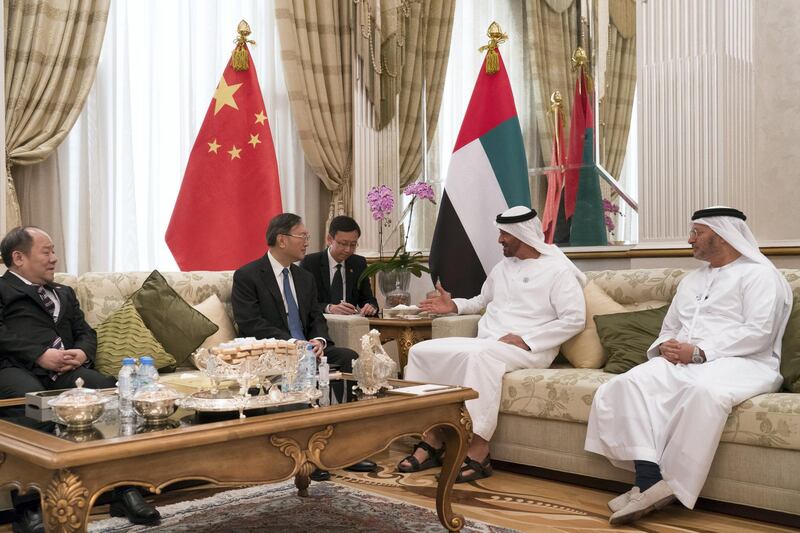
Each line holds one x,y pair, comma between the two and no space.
52,49
551,32
616,106
316,52
428,49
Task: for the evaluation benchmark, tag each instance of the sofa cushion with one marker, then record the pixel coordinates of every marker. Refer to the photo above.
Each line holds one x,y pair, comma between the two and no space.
790,349
214,310
769,420
560,394
124,334
584,349
627,336
176,325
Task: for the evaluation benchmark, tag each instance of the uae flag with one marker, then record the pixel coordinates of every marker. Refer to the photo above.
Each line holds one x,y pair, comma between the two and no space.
230,189
488,173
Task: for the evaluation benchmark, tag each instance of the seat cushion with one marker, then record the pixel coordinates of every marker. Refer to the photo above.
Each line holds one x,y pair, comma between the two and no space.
769,420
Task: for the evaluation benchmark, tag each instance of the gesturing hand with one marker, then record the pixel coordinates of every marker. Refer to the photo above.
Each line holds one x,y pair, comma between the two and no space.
440,304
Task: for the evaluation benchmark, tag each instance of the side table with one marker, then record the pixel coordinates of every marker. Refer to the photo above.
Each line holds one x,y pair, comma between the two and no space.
406,332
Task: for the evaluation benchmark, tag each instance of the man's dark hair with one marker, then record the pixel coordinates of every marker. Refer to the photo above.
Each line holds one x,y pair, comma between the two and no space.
18,239
281,225
343,223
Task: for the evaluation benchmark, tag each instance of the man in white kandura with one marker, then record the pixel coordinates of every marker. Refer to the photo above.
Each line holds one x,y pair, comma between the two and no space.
533,300
720,344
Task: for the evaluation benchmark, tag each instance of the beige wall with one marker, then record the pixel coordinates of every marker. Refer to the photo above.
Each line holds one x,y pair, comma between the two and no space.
777,128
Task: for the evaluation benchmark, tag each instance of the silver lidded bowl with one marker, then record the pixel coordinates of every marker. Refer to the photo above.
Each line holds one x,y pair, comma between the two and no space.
155,403
79,408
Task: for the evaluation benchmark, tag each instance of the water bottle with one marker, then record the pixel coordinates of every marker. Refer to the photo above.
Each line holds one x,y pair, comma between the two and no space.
306,370
126,386
147,371
310,361
324,372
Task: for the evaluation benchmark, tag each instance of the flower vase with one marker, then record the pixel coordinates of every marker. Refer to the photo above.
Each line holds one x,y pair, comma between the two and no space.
394,286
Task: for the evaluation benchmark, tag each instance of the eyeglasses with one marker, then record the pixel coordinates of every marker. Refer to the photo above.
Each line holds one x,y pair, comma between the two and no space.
305,236
352,245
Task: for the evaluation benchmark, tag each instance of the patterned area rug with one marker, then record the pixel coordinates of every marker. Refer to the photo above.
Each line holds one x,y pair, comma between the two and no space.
330,507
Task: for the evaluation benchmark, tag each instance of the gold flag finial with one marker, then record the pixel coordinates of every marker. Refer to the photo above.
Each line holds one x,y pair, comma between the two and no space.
556,99
239,58
496,36
556,103
581,61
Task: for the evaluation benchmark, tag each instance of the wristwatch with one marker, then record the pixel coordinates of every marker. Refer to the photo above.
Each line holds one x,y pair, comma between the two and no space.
697,357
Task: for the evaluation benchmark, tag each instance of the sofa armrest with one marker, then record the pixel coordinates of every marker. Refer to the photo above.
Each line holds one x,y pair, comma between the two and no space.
346,330
455,326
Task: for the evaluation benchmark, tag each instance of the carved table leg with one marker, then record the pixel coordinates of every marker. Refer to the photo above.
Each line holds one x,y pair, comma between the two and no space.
301,480
405,341
455,440
65,504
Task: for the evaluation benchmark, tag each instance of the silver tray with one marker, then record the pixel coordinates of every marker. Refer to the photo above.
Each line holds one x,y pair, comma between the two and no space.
226,401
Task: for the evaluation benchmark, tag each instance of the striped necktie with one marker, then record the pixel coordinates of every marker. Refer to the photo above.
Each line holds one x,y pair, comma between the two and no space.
50,306
48,302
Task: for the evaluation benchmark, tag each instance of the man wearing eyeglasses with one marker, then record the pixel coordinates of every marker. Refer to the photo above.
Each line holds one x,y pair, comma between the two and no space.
272,297
336,271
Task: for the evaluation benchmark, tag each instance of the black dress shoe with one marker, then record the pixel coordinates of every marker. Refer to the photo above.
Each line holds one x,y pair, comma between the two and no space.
363,466
320,475
128,502
30,521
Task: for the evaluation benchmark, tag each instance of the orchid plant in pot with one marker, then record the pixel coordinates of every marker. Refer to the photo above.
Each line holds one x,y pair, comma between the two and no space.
394,274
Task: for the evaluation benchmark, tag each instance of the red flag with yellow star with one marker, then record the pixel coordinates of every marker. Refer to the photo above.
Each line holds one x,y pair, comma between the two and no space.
230,190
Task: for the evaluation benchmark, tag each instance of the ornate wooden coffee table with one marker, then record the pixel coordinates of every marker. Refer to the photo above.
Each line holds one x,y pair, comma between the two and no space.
259,449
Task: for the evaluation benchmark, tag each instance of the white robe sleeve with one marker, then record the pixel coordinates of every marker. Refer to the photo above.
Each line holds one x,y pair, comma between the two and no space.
762,306
476,304
566,296
669,330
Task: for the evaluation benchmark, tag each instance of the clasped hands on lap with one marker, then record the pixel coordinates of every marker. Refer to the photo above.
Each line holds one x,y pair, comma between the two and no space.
61,360
676,352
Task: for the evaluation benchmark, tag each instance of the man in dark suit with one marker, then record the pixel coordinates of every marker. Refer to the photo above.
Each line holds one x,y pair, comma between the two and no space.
45,344
274,298
336,271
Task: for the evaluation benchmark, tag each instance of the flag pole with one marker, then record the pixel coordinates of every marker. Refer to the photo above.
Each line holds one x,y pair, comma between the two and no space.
496,36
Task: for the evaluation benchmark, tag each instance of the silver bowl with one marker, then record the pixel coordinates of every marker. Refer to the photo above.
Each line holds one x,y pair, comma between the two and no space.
79,416
155,411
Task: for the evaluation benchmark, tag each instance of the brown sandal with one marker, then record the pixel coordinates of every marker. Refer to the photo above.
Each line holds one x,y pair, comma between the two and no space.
479,470
434,459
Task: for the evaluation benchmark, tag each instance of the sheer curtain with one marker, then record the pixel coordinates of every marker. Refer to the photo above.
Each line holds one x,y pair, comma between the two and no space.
120,168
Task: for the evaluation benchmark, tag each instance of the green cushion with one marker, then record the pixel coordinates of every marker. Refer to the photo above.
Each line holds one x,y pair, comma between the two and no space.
124,334
177,325
627,336
790,350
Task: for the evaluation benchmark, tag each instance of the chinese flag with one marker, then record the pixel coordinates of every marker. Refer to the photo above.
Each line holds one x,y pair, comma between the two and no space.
230,189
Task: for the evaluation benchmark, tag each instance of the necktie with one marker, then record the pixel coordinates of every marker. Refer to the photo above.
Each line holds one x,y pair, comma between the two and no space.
337,286
50,306
293,313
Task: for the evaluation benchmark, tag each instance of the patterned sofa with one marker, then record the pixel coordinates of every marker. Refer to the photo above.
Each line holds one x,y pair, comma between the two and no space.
544,412
102,293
